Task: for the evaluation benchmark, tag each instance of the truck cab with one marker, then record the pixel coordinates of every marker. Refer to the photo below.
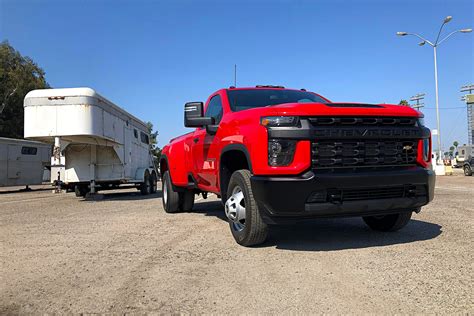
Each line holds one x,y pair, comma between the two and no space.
276,155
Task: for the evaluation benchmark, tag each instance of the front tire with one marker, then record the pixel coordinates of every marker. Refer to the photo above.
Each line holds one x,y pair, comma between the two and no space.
386,223
170,198
245,222
467,171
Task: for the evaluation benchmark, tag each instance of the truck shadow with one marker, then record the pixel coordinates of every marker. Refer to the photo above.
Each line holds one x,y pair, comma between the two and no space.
345,233
332,234
210,208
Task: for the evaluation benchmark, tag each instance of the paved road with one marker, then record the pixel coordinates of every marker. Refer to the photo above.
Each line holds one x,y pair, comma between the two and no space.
61,254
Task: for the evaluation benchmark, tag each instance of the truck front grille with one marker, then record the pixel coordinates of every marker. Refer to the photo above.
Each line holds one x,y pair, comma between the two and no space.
362,121
331,154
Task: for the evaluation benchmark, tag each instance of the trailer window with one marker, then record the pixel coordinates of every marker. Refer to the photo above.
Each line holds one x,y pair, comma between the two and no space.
135,133
144,138
29,150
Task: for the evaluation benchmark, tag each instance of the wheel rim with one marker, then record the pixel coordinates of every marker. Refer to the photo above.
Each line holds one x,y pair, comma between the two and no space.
235,209
466,171
165,192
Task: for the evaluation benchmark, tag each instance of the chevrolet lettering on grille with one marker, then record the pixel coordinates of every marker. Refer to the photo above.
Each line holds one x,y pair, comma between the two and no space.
366,133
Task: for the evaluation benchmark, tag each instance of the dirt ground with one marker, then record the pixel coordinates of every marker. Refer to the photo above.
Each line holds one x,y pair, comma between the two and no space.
61,254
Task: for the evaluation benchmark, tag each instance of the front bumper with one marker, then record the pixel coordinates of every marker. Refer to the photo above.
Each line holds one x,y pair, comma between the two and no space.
313,195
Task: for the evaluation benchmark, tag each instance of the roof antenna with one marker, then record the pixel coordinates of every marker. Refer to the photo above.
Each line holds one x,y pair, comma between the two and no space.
235,75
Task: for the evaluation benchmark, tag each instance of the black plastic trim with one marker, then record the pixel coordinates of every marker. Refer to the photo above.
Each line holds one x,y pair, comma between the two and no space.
239,147
285,198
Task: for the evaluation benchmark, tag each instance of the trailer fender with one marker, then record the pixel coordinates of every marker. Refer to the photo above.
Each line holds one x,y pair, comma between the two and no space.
140,174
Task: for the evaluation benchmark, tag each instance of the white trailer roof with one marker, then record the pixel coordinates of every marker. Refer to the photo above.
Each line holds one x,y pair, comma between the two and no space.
22,141
64,93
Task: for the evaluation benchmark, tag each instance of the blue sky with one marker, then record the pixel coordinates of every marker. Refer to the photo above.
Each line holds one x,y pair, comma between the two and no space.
150,57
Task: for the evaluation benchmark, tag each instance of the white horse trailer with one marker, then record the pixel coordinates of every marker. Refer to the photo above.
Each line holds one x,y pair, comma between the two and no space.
97,145
23,162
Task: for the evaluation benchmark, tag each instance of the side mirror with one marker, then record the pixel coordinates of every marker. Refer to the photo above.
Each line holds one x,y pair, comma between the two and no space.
194,115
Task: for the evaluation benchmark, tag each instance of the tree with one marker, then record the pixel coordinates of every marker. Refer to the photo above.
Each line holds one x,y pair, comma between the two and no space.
404,102
451,151
456,144
155,150
18,76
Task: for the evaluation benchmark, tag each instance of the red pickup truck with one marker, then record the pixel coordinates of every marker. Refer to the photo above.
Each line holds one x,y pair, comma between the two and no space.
276,155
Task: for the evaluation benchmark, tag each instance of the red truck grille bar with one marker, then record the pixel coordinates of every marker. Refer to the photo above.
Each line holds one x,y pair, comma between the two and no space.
363,153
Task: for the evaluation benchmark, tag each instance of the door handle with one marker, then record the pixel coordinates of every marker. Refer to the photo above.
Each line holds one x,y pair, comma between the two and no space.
195,140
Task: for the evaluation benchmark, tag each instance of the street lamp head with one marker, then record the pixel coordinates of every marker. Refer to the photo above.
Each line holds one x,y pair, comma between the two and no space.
402,33
447,19
422,43
466,30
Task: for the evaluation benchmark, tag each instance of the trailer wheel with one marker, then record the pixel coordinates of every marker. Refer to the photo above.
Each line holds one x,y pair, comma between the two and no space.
170,198
388,223
186,201
153,183
80,190
245,221
145,186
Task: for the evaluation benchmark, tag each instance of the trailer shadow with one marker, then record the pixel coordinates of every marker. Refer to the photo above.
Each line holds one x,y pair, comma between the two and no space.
24,190
332,234
122,196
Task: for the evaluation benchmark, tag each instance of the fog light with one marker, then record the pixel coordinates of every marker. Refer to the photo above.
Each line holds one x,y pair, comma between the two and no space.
318,197
280,152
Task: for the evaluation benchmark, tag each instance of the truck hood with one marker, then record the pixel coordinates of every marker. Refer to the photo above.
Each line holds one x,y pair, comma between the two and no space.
337,109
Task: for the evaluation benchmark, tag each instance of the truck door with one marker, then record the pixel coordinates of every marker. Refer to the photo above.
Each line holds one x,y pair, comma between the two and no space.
205,151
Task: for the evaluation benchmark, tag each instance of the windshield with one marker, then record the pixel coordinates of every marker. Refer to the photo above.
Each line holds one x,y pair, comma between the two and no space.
253,98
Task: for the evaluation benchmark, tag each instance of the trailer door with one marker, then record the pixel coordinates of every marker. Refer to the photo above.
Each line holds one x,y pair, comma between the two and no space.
14,162
127,151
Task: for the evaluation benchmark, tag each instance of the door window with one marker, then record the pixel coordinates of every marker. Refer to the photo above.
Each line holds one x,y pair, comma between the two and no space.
214,109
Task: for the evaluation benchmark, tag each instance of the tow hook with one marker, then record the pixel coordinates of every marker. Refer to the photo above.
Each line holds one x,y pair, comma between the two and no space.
204,195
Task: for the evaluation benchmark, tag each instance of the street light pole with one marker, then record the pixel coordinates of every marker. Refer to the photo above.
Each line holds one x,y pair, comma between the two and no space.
437,104
435,46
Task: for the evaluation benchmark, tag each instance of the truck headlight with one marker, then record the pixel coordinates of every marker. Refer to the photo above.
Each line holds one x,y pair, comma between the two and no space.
280,152
279,121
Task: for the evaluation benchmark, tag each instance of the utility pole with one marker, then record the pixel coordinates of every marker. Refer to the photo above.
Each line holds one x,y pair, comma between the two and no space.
417,98
435,45
235,75
470,112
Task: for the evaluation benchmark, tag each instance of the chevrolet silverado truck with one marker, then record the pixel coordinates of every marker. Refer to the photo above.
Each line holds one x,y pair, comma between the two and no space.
276,156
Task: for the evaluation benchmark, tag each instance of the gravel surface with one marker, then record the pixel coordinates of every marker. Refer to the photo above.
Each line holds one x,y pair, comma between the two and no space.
61,254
